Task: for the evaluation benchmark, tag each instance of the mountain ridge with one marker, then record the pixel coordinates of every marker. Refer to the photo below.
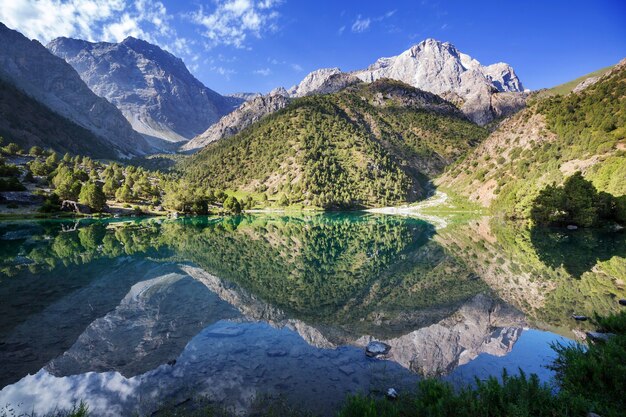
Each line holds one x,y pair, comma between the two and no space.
30,67
152,87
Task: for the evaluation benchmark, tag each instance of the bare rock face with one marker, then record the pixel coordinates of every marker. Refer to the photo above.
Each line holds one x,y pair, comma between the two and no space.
29,66
233,123
152,88
482,325
323,81
441,69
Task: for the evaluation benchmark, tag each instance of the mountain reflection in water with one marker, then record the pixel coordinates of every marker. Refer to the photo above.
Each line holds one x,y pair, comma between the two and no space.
131,315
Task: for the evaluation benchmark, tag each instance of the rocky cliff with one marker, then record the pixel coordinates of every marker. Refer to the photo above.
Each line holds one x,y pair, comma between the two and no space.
233,123
30,67
440,68
152,88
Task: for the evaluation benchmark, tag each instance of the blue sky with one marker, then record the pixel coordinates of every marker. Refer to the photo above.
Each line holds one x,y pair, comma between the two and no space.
257,45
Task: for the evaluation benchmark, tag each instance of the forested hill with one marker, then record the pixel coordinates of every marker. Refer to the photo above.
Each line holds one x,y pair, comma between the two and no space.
368,145
547,142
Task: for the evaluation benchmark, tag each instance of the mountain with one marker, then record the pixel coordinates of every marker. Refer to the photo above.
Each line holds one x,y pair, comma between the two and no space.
554,137
152,88
248,113
31,68
369,144
27,122
440,68
324,81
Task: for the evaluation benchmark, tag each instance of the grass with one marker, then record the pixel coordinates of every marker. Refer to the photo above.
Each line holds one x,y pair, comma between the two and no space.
567,87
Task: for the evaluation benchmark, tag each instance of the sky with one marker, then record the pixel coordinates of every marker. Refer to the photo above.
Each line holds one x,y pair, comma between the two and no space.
257,45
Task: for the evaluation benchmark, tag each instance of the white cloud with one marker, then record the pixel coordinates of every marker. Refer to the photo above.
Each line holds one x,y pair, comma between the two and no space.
361,24
297,67
262,71
93,20
96,20
231,22
341,29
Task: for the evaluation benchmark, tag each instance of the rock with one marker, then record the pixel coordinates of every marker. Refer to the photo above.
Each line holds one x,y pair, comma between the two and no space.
53,82
572,227
587,82
228,331
347,370
73,206
171,362
622,302
276,352
392,394
599,336
579,318
231,124
376,348
323,81
152,88
440,68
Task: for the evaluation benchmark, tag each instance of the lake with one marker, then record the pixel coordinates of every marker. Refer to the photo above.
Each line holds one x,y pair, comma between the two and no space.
134,315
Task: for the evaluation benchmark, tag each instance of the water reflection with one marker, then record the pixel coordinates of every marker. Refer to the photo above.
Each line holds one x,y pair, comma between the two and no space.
127,314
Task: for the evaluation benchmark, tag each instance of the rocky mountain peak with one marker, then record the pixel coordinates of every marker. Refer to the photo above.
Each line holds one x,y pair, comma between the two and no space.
312,81
153,88
440,68
29,66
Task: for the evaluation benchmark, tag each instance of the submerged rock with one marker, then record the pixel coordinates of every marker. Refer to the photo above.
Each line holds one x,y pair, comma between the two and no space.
622,302
392,394
579,318
572,227
599,336
375,348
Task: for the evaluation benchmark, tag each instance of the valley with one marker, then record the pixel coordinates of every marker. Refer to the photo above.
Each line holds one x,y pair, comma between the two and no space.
196,223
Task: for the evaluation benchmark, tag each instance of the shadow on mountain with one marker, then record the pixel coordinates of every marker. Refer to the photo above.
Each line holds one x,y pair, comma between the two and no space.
577,251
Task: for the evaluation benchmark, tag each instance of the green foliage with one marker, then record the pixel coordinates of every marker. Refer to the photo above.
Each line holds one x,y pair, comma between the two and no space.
585,129
11,184
576,202
596,372
232,205
514,396
124,194
51,204
91,195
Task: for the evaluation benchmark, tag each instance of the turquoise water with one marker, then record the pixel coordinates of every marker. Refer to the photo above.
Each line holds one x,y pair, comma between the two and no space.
134,315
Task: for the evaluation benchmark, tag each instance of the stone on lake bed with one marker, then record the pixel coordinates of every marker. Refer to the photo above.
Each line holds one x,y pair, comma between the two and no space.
599,336
376,348
572,227
579,318
347,370
229,331
276,352
392,394
622,302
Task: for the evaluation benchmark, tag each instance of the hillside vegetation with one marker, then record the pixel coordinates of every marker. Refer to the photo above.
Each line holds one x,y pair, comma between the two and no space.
368,145
547,142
